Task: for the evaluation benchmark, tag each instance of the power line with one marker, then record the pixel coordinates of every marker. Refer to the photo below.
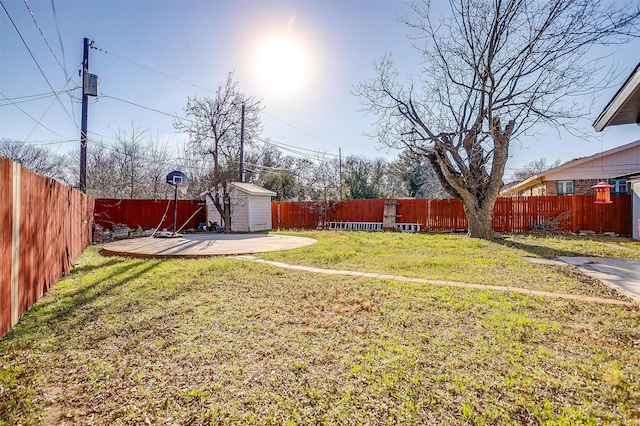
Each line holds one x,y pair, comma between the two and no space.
303,152
36,62
31,98
146,107
299,129
62,65
28,115
45,113
272,142
64,60
208,90
45,39
153,70
49,142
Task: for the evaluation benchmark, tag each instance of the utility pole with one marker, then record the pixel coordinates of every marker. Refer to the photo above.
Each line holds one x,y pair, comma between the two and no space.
85,106
242,146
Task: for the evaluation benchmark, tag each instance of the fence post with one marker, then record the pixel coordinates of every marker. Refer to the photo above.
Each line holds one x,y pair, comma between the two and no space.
15,246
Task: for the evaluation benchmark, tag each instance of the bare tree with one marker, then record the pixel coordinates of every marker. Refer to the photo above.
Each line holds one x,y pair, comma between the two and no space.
158,164
128,155
133,166
492,70
532,168
213,126
35,158
101,171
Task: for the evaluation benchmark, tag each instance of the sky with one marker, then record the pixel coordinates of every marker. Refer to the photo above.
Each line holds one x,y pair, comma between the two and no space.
150,56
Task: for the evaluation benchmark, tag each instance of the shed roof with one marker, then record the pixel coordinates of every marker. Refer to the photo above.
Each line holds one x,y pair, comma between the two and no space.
252,189
624,107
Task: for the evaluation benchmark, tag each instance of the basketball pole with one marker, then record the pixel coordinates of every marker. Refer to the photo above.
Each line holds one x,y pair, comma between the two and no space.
175,207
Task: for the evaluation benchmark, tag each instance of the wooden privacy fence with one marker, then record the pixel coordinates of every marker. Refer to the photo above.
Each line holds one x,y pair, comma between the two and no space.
44,228
148,213
518,214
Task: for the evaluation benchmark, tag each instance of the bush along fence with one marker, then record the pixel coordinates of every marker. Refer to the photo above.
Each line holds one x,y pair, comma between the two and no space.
518,214
148,214
45,226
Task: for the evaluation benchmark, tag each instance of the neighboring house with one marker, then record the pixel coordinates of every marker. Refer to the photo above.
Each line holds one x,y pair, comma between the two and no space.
250,208
577,177
624,108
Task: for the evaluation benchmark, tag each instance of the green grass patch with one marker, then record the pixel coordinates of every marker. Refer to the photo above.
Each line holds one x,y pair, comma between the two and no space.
455,257
225,341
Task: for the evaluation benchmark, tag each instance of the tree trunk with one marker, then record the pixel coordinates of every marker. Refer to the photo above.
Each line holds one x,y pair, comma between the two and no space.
479,219
226,200
224,208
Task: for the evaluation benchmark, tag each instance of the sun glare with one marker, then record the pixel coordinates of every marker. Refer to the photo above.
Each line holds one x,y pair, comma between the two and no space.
282,66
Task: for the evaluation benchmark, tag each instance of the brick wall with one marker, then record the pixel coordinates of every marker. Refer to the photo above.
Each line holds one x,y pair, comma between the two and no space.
580,187
551,187
583,186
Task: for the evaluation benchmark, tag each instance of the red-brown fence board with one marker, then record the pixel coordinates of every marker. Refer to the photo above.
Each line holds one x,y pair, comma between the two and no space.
6,223
55,225
356,211
517,214
295,215
148,213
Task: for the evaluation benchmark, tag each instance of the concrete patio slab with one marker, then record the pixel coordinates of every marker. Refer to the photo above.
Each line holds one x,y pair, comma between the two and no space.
205,245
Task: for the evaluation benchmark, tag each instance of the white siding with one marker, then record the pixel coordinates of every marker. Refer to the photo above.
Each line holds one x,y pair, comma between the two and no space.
635,188
239,211
260,211
249,213
604,167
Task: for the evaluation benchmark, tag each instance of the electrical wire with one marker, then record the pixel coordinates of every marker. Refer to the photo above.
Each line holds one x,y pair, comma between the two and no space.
49,142
299,129
66,75
282,144
63,64
146,107
37,63
28,115
208,90
55,20
39,96
45,112
287,147
153,70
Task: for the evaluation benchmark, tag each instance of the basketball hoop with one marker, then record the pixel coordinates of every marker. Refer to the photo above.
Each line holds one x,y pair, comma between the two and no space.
180,182
182,188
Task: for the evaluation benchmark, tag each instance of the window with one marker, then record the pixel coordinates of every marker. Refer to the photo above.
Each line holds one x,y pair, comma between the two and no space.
619,186
565,187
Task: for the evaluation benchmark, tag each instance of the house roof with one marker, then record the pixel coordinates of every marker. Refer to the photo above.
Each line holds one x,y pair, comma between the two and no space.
631,176
624,107
252,189
581,163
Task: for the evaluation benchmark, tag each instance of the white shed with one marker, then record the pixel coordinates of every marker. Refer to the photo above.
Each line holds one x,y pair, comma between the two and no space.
250,208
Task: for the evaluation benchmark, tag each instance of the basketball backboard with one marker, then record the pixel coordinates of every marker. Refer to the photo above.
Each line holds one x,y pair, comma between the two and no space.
176,178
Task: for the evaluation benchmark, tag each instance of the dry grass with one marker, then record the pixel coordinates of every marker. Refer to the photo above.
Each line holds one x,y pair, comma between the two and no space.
455,257
223,341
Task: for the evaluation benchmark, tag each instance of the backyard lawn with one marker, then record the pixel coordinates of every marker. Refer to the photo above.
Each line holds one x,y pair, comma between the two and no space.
230,341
